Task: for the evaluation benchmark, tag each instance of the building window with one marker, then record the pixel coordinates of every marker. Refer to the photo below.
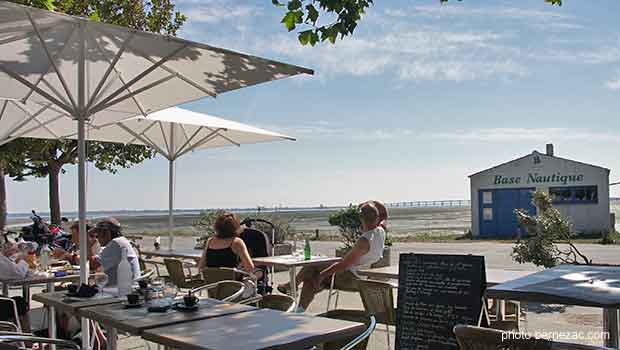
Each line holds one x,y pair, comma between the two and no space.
487,214
574,195
487,197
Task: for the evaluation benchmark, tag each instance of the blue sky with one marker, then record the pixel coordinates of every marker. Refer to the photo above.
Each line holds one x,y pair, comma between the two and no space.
421,96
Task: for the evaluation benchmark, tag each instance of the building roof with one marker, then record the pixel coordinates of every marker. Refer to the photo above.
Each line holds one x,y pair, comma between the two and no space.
540,154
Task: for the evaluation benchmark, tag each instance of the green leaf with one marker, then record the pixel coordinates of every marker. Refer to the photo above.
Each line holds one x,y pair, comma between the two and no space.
313,14
289,21
294,5
305,37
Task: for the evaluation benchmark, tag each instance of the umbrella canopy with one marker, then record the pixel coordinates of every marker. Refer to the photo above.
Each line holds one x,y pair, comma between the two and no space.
101,73
172,132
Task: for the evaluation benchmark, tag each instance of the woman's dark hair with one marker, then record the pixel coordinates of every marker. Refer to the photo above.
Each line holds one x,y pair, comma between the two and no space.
227,225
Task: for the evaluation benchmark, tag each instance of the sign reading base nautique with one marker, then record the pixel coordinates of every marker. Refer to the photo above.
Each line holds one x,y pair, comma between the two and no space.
435,293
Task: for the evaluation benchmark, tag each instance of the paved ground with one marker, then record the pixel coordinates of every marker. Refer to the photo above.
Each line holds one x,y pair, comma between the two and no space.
539,318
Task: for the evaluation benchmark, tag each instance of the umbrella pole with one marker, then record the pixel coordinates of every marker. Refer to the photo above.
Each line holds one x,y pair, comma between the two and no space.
81,121
170,202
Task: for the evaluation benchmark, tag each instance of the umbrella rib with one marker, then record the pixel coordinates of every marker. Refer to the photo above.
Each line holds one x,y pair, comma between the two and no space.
6,102
168,69
229,140
4,141
101,107
189,139
143,133
50,66
28,34
163,134
140,76
51,98
202,141
51,60
31,116
111,66
144,139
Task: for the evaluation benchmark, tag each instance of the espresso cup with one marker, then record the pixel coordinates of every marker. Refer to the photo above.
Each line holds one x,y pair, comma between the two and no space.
190,300
133,299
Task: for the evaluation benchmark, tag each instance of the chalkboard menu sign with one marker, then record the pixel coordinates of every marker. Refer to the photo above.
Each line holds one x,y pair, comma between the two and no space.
435,293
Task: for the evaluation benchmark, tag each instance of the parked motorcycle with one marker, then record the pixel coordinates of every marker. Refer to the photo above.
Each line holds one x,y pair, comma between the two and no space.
43,233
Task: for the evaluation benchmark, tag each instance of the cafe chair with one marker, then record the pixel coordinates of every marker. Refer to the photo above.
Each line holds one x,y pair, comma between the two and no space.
216,274
7,339
178,276
230,291
11,305
359,342
8,327
144,265
278,302
378,300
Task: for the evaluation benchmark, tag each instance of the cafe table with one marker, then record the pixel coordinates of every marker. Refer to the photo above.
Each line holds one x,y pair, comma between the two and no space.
254,330
189,254
580,285
494,276
292,262
136,320
59,300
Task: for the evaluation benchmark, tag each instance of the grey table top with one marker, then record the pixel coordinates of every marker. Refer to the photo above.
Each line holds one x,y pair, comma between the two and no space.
193,254
259,329
494,276
581,285
136,320
40,279
290,260
62,302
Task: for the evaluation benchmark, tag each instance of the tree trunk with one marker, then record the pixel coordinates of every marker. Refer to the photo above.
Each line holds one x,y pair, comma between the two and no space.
54,194
3,206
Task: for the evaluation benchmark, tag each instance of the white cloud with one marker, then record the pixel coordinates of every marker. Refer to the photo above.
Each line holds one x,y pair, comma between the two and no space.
216,11
412,54
614,84
525,134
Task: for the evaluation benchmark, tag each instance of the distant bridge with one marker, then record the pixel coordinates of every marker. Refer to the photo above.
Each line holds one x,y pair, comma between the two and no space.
450,203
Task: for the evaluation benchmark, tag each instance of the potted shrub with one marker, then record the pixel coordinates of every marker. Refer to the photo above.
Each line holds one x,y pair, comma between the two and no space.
349,225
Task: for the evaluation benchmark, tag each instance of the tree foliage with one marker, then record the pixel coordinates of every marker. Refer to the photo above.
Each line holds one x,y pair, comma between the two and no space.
549,236
306,16
46,158
349,224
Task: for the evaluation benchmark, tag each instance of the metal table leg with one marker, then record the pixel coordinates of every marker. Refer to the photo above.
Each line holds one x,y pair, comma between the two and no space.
111,338
51,330
26,293
5,289
293,275
610,325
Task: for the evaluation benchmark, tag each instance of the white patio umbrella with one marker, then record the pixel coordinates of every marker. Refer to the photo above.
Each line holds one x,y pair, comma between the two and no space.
97,72
172,132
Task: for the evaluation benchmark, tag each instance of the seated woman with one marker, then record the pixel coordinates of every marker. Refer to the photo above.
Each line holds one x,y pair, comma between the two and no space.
72,254
225,248
13,266
108,232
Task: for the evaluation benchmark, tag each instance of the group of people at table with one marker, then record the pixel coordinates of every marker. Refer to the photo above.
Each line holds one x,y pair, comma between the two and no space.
224,249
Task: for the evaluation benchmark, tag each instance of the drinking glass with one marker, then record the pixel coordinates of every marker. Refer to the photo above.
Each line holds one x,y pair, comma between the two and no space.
170,292
101,281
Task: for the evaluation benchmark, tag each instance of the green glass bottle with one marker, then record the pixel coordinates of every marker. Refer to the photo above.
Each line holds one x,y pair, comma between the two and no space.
307,250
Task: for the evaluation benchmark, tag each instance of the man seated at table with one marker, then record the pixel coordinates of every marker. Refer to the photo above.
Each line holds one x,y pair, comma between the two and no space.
72,253
13,266
108,232
367,250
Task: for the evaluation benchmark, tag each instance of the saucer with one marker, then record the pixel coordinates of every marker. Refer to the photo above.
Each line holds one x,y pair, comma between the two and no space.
133,306
183,307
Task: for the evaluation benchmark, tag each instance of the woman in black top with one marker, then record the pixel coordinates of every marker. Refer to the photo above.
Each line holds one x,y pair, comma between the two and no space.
225,248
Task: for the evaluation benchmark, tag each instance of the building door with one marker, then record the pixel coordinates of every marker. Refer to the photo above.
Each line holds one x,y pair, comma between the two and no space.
497,218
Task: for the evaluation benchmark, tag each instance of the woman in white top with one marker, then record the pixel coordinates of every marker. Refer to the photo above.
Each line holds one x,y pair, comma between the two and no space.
367,250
